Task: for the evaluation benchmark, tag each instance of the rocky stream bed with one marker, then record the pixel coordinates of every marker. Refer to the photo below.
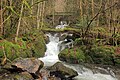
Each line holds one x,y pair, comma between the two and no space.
32,69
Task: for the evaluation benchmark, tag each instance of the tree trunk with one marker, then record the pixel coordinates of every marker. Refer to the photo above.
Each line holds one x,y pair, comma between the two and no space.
53,18
86,7
43,10
32,2
18,27
1,20
92,8
98,19
38,14
81,10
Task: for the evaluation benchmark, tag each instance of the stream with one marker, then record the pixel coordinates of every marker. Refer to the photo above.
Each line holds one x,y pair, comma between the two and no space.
51,57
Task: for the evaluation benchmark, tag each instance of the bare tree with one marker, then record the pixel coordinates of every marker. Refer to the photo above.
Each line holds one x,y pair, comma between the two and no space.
81,9
1,19
43,10
92,8
19,23
38,16
98,21
53,13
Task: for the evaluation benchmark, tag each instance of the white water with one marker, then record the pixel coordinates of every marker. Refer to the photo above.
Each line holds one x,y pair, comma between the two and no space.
51,54
51,57
61,26
87,74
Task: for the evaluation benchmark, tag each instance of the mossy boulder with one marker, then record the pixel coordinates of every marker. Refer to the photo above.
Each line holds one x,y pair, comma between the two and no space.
63,72
102,55
35,43
117,55
38,45
29,45
74,55
117,60
13,50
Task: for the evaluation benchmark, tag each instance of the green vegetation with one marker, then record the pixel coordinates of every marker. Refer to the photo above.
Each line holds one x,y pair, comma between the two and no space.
27,46
72,55
13,50
95,54
102,54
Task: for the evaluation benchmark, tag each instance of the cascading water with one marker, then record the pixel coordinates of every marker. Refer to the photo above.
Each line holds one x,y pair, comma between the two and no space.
87,74
51,54
51,57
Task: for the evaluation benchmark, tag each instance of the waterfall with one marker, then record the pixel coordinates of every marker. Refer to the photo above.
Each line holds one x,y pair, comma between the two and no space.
53,49
51,57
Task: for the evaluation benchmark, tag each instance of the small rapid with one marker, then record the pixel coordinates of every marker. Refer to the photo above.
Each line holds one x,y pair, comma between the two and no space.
87,74
51,57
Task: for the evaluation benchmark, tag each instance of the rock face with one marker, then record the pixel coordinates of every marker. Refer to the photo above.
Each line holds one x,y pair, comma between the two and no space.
61,71
30,65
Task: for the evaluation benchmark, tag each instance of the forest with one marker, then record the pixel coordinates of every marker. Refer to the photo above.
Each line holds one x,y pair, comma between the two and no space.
94,24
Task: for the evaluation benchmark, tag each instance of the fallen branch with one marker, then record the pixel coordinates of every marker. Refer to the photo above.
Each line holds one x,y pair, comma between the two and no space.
5,57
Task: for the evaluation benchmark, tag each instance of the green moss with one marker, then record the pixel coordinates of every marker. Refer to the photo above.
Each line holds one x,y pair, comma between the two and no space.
102,54
71,55
117,60
38,45
13,50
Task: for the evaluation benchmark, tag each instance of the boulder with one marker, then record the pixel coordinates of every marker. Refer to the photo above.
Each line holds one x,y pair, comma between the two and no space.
73,55
102,55
38,45
61,71
17,76
30,65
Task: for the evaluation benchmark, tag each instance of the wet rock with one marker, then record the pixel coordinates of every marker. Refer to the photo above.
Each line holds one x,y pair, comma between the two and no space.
3,72
17,76
53,78
30,65
61,71
44,74
7,66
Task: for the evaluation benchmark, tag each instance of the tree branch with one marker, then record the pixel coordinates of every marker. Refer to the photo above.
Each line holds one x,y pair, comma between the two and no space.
100,10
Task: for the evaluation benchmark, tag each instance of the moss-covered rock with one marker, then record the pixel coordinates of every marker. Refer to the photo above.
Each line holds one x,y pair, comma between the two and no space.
91,54
29,45
74,55
13,50
38,45
117,60
102,54
63,72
